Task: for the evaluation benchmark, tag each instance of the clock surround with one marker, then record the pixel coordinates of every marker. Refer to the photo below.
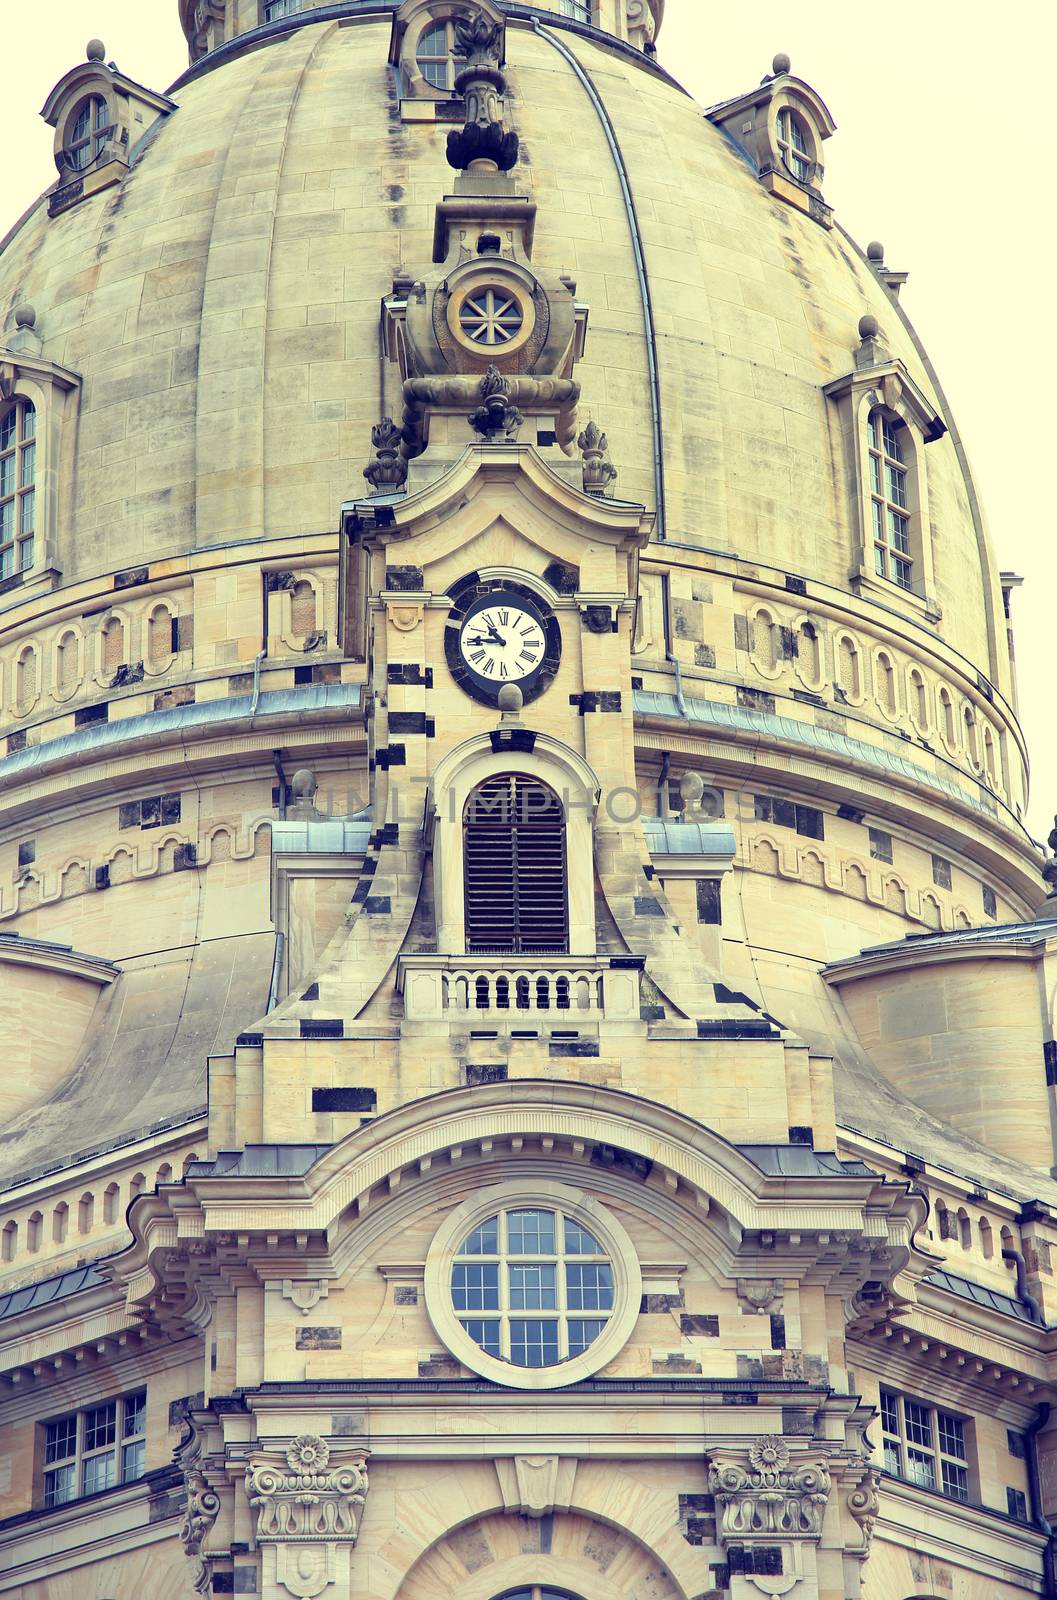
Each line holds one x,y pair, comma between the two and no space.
476,597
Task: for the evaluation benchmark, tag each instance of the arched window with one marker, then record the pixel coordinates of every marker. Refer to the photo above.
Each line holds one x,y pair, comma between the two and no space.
136,1185
537,1591
1008,1243
35,1231
60,1222
794,144
947,713
972,742
159,636
111,1196
890,497
86,1213
809,654
18,477
10,1241
113,644
987,1243
886,684
434,56
514,871
764,646
965,1229
88,133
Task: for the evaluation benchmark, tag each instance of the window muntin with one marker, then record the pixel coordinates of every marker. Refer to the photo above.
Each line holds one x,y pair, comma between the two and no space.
924,1445
890,500
491,316
93,1449
534,1312
88,133
794,145
274,9
18,495
434,56
579,10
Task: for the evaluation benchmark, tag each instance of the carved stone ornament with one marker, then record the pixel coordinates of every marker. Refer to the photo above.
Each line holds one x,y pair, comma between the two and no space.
308,1512
1049,868
864,1505
758,1294
496,416
479,42
599,471
772,1498
458,390
200,1513
388,471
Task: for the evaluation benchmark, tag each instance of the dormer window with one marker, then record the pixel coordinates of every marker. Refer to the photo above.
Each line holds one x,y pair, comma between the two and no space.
793,142
434,57
890,498
18,477
89,134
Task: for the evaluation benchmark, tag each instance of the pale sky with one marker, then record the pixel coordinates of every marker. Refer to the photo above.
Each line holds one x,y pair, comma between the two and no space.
943,151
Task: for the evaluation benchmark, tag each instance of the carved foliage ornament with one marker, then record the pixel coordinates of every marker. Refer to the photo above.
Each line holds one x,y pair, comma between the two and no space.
479,42
771,1498
200,1513
305,1498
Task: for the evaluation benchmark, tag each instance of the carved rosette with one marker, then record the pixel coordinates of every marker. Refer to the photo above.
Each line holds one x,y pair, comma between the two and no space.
773,1497
308,1511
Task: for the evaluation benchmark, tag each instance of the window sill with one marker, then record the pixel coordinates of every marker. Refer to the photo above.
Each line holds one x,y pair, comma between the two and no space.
891,1479
890,595
158,1481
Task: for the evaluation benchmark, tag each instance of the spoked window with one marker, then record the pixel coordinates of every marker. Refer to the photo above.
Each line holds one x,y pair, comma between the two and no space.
94,1449
890,499
434,56
514,868
925,1445
490,316
89,134
534,1288
793,143
18,477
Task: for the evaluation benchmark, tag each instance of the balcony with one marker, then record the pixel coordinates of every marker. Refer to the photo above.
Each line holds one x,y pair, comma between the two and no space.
548,989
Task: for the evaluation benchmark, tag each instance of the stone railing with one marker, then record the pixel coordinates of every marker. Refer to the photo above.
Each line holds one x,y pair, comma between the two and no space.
554,989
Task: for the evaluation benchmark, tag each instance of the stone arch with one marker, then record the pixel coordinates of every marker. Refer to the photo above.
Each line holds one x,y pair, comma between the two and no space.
855,881
765,857
930,911
122,866
813,869
112,644
809,663
160,620
885,684
489,1552
766,657
220,844
73,879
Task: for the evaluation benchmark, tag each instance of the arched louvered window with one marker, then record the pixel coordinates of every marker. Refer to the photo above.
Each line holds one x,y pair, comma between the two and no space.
514,867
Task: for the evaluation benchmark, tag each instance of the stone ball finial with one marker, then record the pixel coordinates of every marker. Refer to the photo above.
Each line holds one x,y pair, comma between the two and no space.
303,784
691,788
875,250
95,50
869,327
780,64
510,699
25,316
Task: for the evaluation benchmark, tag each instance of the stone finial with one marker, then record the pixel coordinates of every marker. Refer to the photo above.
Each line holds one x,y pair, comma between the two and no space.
95,50
869,327
25,316
870,352
691,789
599,471
510,700
388,471
26,339
1049,868
875,251
303,788
496,415
481,82
781,64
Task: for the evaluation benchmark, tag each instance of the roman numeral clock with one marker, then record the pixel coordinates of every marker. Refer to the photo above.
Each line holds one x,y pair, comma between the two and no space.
500,632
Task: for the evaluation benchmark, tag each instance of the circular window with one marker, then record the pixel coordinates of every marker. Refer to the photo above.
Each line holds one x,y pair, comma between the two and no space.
794,143
534,1289
88,133
491,316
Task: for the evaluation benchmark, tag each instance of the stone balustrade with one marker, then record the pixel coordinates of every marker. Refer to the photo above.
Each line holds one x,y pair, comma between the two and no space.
555,989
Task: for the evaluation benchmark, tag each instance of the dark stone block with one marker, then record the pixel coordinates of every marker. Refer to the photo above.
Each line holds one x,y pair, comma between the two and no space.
777,1331
759,1560
697,1504
574,1047
676,1363
563,579
627,963
626,1161
27,852
732,997
302,675
185,858
797,1423
651,1013
405,1295
223,1583
378,905
250,1040
810,823
347,1425
652,1304
405,579
16,742
799,1133
87,715
795,585
755,699
170,808
750,1367
513,739
318,1338
160,1507
647,905
598,619
128,672
742,634
102,877
131,577
150,812
709,901
697,1530
185,632
687,621
694,1324
609,700
438,1366
849,814
485,1072
245,1580
311,993
407,722
704,655
344,1099
178,1409
322,1028
708,1029
1049,1058
274,581
787,645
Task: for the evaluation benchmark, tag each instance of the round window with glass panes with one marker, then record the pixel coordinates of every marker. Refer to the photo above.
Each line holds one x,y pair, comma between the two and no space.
535,1292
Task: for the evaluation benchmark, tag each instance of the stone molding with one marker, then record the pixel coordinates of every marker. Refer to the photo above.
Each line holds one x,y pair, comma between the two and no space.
774,1497
534,1486
309,1504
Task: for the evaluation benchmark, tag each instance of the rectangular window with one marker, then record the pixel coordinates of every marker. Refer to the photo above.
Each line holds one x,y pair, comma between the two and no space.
530,1233
990,901
589,1288
880,844
806,820
941,872
81,1450
709,903
533,1288
1016,1504
475,1288
925,1445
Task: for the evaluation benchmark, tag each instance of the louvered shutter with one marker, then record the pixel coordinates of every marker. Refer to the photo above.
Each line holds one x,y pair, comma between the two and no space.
514,866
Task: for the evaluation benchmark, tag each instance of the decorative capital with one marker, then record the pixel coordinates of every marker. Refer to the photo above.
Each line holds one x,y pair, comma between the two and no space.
309,1507
773,1497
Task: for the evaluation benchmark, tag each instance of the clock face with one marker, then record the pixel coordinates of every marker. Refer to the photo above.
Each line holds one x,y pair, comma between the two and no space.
500,632
502,641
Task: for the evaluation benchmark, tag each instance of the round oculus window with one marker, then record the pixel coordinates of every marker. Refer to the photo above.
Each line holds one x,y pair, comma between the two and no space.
491,316
534,1292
